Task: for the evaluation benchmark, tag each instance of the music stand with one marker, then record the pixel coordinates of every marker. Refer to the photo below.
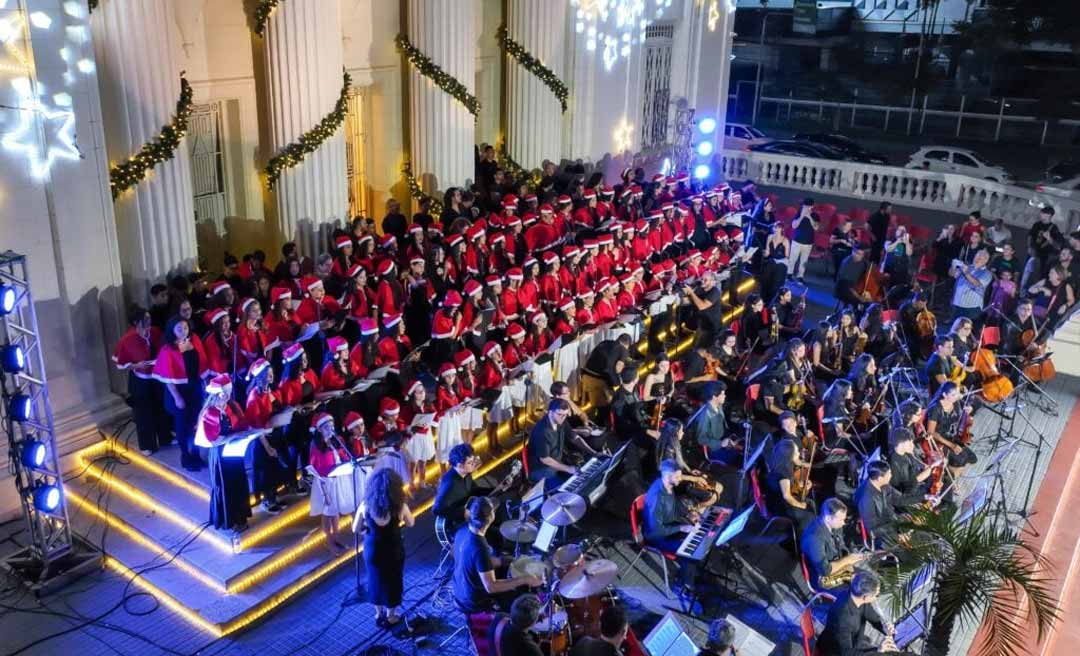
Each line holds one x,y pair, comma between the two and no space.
748,641
669,638
748,462
912,626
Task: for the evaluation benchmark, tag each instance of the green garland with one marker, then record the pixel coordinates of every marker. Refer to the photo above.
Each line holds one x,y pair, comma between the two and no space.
534,66
517,171
436,74
125,176
416,192
262,14
310,141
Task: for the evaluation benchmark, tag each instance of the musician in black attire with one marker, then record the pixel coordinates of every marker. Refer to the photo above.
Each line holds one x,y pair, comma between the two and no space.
770,403
822,543
852,271
707,302
614,628
600,375
545,452
475,586
865,391
456,486
940,365
879,228
788,314
844,633
509,635
669,517
754,329
1011,344
1044,237
909,322
943,423
909,474
841,243
779,491
630,421
878,503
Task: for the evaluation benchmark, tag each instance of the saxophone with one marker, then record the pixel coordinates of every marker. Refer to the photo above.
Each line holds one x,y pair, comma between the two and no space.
841,576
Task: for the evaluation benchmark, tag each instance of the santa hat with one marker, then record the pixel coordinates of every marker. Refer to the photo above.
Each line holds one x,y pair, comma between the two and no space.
495,238
416,259
388,407
219,287
530,197
638,191
529,261
385,267
280,294
683,177
682,208
335,344
514,221
627,193
387,241
463,357
566,304
642,225
590,244
352,420
311,282
215,315
292,352
220,384
509,202
605,240
364,238
474,231
546,209
625,277
416,385
354,270
670,180
693,253
390,320
368,327
319,419
245,304
472,287
571,251
629,227
607,190
343,241
712,193
514,273
659,177
550,258
455,239
604,285
515,331
446,369
697,198
489,348
435,229
537,317
257,367
667,207
452,299
492,280
589,194
528,219
656,214
563,200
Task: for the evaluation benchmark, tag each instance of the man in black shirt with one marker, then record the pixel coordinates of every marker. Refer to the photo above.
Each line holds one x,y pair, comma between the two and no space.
802,240
510,635
940,365
841,243
600,375
879,228
878,503
909,474
628,412
851,273
546,449
395,223
707,302
613,630
788,314
909,323
474,584
1044,239
844,628
667,517
822,543
456,486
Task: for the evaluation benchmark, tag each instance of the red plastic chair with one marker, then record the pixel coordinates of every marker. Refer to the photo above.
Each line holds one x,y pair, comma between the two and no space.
905,221
479,625
991,336
525,460
787,213
752,394
864,534
859,214
920,234
759,497
825,211
890,316
637,510
806,624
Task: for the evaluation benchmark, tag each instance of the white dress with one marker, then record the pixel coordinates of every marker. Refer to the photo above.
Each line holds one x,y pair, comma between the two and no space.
337,495
420,447
449,429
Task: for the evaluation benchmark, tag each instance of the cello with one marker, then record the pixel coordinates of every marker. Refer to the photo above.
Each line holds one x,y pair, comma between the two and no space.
1037,365
996,387
870,288
926,329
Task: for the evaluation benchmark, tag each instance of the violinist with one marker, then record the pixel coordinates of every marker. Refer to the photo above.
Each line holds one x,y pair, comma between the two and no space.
698,369
755,332
1023,332
945,425
865,390
841,243
918,325
801,388
825,351
852,340
657,388
1053,295
940,366
728,362
770,404
910,475
880,337
836,420
788,313
780,494
850,275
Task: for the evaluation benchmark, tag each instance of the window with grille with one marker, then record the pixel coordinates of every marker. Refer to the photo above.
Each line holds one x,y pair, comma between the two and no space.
656,84
356,136
208,163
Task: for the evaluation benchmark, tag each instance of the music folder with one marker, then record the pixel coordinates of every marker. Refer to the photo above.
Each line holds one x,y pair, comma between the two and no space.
748,641
734,527
669,638
237,445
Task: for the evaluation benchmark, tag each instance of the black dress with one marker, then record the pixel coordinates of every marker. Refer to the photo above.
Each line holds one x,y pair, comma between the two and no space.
384,559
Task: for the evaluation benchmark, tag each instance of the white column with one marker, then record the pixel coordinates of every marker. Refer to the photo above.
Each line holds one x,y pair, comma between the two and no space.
139,77
534,115
304,77
442,132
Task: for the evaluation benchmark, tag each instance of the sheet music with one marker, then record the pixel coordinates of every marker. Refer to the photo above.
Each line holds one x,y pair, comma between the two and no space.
748,641
309,331
381,372
326,396
423,421
555,346
283,418
237,443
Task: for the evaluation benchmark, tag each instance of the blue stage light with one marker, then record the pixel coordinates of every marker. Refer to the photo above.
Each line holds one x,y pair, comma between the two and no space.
704,148
701,171
33,454
7,299
707,125
47,498
19,407
12,358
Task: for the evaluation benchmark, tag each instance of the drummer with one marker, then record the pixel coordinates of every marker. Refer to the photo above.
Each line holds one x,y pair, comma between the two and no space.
545,453
475,586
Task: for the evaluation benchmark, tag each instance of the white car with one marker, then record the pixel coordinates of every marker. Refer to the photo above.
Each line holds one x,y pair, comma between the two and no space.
946,159
1067,188
739,136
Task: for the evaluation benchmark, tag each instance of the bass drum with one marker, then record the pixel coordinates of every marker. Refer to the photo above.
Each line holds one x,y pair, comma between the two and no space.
553,633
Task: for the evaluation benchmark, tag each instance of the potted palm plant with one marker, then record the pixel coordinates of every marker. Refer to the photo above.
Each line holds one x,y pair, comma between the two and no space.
981,572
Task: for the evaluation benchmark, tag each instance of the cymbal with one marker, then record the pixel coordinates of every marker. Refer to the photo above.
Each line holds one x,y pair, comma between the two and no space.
517,530
567,555
529,566
563,509
588,579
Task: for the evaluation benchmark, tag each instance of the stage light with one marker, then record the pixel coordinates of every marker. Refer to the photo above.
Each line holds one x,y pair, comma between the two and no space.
7,299
33,454
704,149
47,498
665,168
707,125
701,171
19,407
12,358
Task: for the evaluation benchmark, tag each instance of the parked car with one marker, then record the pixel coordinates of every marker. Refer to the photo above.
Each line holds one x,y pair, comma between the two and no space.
1066,187
739,136
798,149
850,149
947,159
1063,170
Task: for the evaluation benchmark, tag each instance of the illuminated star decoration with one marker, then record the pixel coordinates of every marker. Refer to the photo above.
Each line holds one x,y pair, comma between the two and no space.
624,136
714,14
58,126
11,35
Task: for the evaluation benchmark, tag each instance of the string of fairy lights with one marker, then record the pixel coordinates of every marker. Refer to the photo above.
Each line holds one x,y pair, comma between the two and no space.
429,69
294,153
126,175
530,63
416,191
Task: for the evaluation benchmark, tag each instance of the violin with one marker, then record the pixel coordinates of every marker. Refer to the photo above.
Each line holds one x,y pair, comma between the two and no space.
800,484
932,453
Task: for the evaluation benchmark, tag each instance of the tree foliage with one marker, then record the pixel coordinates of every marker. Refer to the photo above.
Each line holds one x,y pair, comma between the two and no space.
1024,22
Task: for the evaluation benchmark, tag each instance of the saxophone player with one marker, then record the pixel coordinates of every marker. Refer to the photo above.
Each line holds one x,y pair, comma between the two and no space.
822,543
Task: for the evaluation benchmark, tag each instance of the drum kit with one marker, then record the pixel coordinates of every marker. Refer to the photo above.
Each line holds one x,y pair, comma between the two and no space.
576,589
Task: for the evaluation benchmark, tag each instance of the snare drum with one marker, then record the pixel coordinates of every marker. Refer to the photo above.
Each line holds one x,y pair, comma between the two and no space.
566,558
529,566
553,633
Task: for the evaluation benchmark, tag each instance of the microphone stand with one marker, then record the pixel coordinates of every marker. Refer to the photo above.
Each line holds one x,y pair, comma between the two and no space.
357,596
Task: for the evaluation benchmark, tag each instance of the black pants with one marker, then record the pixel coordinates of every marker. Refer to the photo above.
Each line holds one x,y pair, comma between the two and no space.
184,420
269,472
151,426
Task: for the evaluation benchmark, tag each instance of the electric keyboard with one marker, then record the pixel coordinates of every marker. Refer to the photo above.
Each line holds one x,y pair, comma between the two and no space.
698,542
588,482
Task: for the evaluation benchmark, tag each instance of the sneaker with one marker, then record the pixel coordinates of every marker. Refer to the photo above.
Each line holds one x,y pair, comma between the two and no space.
272,508
147,452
